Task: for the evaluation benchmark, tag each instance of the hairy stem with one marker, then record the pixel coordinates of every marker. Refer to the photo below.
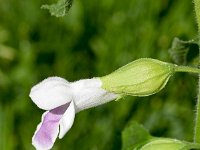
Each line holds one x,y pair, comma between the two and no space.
187,69
197,118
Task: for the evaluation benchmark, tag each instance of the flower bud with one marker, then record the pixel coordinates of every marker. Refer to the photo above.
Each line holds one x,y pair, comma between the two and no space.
164,144
141,77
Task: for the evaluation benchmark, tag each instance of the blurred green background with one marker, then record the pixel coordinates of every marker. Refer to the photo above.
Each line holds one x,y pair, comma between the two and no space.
95,38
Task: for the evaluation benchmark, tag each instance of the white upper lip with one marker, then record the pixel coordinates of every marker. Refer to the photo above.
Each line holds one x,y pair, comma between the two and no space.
55,91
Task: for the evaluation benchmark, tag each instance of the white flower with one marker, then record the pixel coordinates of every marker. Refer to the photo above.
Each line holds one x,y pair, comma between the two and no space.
62,99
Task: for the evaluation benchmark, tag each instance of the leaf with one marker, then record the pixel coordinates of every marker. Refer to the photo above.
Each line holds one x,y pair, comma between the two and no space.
134,136
183,52
59,9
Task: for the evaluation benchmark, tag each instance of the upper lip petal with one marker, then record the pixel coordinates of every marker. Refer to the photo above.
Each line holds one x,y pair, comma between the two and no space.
51,93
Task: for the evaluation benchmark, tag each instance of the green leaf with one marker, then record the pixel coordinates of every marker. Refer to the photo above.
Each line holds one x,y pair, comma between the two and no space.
134,136
60,8
183,52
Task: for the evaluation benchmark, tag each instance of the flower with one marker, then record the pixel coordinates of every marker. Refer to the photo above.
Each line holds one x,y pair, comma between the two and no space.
62,100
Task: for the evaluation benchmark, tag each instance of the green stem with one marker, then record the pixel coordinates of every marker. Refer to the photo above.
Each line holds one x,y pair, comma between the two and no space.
193,146
197,118
186,69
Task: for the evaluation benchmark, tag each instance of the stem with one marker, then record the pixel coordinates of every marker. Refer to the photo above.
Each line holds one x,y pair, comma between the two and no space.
197,118
192,145
186,69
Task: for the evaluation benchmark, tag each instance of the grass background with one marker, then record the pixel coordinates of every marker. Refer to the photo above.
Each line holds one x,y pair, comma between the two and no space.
95,38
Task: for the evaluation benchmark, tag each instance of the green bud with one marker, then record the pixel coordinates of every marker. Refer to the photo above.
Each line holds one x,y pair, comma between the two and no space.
141,77
165,144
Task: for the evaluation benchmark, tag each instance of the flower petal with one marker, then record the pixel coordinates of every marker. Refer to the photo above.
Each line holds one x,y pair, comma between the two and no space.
51,93
67,120
47,130
89,93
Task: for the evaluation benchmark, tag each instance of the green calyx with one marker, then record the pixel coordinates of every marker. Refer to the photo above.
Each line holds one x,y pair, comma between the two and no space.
169,144
141,77
164,144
